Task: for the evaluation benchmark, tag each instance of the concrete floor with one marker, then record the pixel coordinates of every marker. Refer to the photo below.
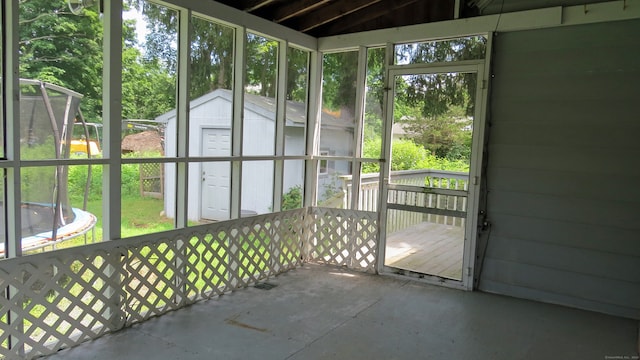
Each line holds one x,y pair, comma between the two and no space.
322,312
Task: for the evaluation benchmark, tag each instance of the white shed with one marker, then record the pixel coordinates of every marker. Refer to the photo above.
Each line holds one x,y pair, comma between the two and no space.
210,136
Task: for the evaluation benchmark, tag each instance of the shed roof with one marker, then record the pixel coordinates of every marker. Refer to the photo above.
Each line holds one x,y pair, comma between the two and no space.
266,106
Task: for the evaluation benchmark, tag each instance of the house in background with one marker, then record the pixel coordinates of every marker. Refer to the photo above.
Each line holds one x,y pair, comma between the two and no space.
210,134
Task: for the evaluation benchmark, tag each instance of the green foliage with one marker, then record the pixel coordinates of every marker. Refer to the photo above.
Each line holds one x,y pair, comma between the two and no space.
61,48
37,183
211,53
407,155
457,49
339,80
374,97
438,108
297,74
446,135
78,178
148,90
43,150
292,199
262,59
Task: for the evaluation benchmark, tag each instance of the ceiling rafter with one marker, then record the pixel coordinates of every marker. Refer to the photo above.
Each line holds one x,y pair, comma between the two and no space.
329,13
296,8
253,5
334,17
359,18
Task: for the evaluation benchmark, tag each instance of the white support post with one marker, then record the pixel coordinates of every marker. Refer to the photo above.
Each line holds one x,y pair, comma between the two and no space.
11,115
385,166
239,74
313,139
182,118
112,127
239,71
182,124
361,80
112,119
281,118
356,168
313,128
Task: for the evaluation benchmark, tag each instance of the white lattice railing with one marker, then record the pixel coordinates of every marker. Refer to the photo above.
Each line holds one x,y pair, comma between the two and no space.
59,299
344,238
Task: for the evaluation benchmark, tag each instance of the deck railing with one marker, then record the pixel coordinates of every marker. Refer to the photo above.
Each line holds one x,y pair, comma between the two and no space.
397,219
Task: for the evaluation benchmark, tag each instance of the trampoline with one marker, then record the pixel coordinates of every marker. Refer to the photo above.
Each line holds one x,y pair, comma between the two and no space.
47,116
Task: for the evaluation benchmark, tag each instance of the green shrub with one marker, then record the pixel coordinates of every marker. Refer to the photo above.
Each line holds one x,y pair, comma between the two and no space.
407,155
292,199
78,177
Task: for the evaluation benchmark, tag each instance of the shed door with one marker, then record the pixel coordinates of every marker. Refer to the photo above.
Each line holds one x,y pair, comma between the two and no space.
216,181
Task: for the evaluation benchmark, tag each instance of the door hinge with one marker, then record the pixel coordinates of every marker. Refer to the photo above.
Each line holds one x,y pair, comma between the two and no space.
469,271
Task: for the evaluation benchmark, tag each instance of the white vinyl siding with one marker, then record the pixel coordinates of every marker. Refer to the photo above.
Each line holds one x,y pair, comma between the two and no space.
564,167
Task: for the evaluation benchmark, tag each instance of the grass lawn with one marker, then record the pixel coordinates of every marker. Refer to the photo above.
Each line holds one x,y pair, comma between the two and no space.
139,216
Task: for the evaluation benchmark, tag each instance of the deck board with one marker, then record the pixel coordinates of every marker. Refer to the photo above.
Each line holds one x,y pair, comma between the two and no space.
428,248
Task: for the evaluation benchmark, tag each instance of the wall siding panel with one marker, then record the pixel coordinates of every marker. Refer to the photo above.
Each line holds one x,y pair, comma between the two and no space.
595,237
563,169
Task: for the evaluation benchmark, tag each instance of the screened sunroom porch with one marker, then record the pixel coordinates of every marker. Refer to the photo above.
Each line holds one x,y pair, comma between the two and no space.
290,164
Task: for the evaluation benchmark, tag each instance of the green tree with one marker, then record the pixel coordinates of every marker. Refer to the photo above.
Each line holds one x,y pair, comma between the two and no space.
438,108
61,48
297,74
148,90
408,155
375,94
212,54
339,80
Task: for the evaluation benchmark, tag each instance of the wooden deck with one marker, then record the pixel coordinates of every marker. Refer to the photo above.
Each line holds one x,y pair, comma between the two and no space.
427,248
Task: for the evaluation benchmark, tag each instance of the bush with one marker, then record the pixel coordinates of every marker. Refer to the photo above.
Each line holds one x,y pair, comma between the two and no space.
78,177
407,155
292,199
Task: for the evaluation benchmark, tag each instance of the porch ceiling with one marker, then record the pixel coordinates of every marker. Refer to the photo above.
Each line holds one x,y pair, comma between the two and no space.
334,17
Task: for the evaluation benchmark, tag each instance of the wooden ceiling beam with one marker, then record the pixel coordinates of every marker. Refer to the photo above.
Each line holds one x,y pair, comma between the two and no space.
246,5
296,8
329,13
253,5
358,18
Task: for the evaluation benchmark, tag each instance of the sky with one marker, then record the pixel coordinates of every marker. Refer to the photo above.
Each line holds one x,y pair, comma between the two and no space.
141,24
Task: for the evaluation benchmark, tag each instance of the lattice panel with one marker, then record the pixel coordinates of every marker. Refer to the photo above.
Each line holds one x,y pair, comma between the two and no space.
288,235
345,238
232,255
151,179
209,253
153,279
61,298
59,303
